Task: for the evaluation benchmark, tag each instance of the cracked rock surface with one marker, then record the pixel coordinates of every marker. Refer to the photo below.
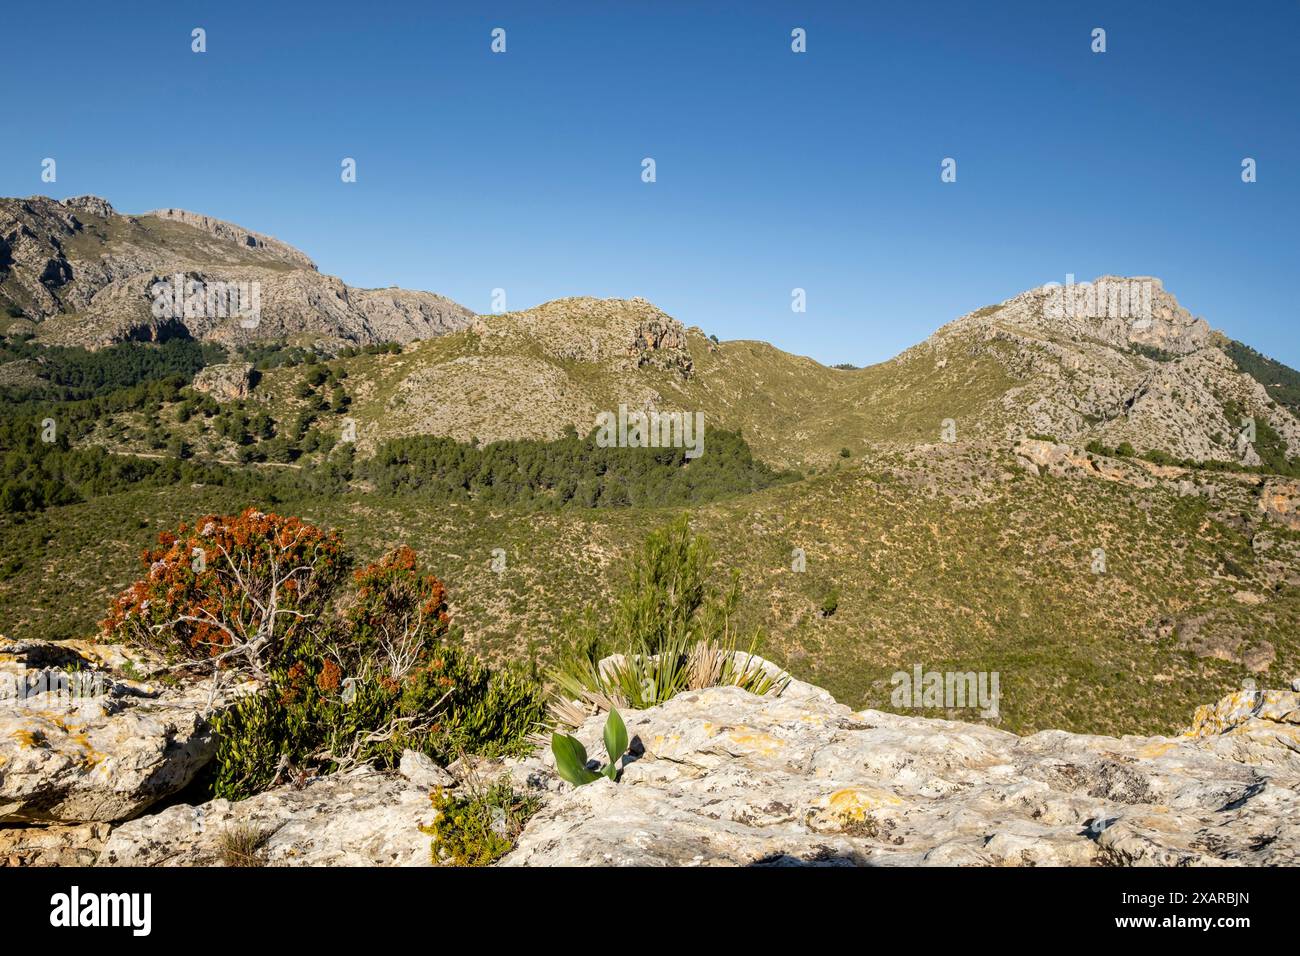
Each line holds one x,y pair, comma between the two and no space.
721,777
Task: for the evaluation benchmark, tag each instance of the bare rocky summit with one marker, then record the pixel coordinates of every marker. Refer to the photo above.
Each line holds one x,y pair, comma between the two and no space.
1141,369
625,333
79,273
533,373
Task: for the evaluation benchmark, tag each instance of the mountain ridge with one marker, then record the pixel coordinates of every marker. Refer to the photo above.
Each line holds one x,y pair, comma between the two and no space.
75,272
1116,362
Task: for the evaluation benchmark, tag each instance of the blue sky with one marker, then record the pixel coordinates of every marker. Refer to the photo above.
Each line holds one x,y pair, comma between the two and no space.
775,170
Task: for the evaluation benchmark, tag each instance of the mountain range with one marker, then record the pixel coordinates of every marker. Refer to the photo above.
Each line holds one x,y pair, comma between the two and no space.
76,273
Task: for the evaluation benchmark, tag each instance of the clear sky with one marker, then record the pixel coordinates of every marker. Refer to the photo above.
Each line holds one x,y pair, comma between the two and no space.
775,170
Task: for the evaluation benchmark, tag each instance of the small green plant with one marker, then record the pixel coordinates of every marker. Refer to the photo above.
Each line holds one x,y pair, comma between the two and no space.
478,827
571,756
831,602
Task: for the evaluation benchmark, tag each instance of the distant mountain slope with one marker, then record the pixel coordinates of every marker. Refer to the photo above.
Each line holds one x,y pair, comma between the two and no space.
997,374
951,557
79,273
1280,381
1118,361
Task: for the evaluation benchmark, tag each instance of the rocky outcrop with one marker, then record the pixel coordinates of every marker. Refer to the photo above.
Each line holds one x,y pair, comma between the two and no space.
226,382
720,777
230,232
362,818
1217,634
34,266
630,333
1117,360
1118,311
91,205
77,844
79,744
1059,460
1280,500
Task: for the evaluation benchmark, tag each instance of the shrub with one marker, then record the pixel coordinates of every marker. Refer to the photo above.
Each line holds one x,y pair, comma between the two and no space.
478,827
672,632
239,588
386,677
316,718
397,610
669,597
346,679
241,845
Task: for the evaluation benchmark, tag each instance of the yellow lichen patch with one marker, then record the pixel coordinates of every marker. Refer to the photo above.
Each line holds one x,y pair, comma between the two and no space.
1155,749
72,734
90,756
764,743
854,803
851,811
29,738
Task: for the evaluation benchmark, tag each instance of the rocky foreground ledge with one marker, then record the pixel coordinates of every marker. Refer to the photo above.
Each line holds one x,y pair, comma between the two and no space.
715,777
721,777
728,778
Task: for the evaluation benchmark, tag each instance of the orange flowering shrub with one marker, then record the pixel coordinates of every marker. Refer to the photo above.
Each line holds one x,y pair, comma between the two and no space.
398,611
411,687
351,682
236,589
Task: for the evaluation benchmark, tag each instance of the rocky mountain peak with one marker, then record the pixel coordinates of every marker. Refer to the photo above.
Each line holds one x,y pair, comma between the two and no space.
586,329
1120,311
94,205
238,234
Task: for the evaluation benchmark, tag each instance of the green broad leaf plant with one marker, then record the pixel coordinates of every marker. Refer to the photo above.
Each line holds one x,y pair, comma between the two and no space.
571,756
